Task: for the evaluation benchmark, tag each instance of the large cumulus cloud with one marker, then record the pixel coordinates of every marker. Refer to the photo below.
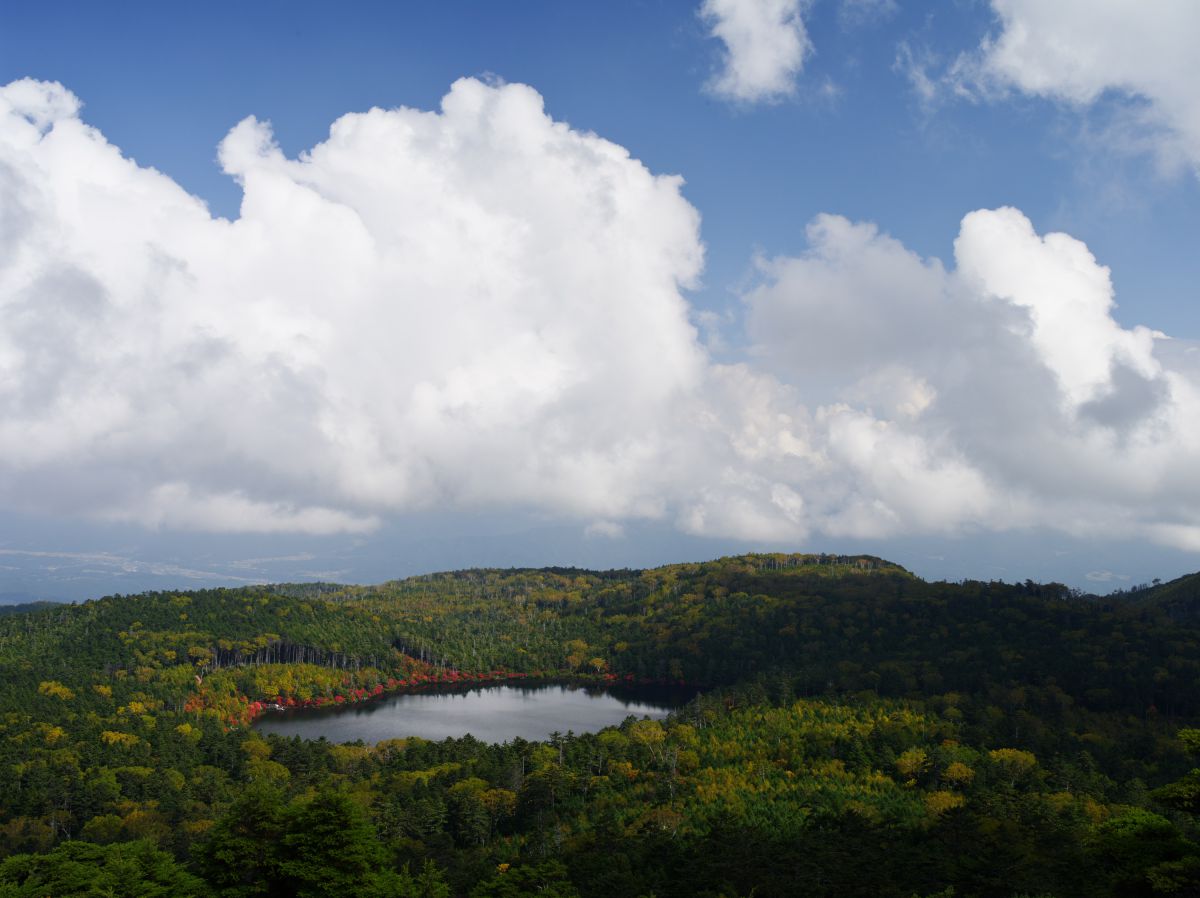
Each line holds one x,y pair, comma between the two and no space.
480,307
472,305
998,394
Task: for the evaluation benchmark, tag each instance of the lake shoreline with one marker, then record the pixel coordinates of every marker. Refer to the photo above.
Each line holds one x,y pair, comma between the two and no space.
450,678
496,711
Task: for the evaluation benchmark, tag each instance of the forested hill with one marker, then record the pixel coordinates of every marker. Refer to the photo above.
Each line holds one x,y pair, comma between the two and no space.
901,737
23,607
1179,597
837,624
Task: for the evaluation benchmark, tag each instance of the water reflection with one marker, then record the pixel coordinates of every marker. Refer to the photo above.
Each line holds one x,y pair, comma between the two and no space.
489,713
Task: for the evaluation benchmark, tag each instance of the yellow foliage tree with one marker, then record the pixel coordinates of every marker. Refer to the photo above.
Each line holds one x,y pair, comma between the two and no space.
55,689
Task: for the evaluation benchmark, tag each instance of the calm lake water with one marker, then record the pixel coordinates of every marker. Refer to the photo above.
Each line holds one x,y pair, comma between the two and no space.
489,713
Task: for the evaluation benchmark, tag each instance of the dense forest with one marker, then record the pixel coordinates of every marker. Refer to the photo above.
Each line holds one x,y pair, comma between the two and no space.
858,732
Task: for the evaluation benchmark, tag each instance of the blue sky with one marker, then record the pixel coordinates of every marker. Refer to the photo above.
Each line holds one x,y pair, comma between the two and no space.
904,116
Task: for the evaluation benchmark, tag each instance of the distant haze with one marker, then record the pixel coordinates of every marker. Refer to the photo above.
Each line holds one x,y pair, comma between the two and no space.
130,560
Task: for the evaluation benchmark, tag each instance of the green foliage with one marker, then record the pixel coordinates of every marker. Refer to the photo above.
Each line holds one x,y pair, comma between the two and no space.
428,883
328,847
860,732
131,870
240,856
546,880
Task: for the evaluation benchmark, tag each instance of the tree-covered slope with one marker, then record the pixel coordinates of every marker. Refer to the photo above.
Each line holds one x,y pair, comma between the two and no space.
860,731
1179,598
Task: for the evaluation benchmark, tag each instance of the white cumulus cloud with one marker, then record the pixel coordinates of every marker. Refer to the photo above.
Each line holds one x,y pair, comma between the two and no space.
766,44
474,305
998,394
479,307
1077,51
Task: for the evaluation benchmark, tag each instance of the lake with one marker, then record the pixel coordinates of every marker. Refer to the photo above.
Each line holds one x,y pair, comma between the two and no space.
489,713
